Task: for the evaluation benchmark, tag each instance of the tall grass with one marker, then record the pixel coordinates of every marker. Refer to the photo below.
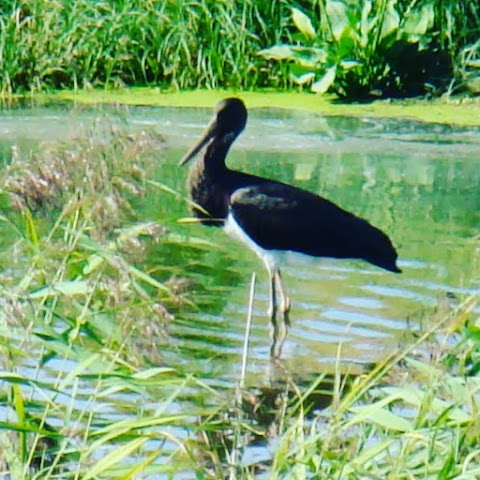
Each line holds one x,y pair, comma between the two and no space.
80,320
47,44
180,44
414,415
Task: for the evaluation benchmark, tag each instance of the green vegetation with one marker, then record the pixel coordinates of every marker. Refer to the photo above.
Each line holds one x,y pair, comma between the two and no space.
381,47
73,302
179,44
415,415
83,338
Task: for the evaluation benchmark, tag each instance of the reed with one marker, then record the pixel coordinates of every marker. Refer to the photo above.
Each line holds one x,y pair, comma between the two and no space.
180,44
76,311
414,414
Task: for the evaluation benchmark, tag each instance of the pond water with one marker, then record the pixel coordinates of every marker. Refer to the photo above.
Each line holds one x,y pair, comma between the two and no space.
419,183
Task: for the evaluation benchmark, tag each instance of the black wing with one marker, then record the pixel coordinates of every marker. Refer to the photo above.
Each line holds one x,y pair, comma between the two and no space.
279,216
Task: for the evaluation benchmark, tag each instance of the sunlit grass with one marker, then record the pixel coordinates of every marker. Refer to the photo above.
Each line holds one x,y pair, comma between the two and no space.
81,322
182,44
414,415
209,44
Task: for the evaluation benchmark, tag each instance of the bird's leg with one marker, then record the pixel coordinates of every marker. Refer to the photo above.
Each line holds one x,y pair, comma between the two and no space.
284,300
272,313
281,327
272,307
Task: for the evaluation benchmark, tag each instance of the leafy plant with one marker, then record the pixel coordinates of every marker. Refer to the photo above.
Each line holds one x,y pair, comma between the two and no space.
393,45
467,70
361,49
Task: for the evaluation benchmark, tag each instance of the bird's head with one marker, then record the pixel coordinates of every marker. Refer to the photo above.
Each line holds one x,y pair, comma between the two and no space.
229,119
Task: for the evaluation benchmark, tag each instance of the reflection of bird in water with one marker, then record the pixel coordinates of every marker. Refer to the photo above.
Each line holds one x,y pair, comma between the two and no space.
270,216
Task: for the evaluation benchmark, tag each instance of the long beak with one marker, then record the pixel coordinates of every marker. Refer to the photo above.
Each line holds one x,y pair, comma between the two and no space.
204,139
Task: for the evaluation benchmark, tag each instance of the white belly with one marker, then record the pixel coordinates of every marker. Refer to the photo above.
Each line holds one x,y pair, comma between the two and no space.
270,257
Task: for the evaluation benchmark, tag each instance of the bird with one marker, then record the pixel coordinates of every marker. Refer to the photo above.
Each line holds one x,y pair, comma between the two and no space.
271,217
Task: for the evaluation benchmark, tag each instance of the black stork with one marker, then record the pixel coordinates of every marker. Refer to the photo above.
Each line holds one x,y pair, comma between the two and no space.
271,216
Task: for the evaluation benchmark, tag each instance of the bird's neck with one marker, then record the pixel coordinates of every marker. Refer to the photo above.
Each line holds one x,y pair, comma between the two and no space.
214,158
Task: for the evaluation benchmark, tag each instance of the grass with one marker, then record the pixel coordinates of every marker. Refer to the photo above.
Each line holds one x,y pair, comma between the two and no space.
74,299
182,44
414,415
84,330
49,45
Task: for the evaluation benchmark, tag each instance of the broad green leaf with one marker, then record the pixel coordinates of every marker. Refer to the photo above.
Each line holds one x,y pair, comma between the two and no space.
303,23
350,64
297,70
348,43
337,15
309,56
419,21
73,288
365,25
391,20
382,417
302,79
277,52
322,85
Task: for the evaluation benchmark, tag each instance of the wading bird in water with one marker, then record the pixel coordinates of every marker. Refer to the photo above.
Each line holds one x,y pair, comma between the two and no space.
270,216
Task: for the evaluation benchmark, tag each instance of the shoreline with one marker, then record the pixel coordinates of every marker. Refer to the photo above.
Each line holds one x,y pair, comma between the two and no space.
452,111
